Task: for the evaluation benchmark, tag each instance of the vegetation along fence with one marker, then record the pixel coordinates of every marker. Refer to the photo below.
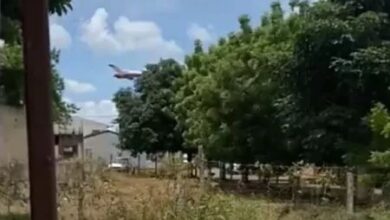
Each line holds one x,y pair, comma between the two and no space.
80,183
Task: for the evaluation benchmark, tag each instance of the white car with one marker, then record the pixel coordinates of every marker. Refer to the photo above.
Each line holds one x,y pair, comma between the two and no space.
120,164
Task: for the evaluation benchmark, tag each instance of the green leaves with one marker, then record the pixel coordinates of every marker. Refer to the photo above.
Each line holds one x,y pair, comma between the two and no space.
12,82
11,60
379,121
146,118
381,159
225,101
296,86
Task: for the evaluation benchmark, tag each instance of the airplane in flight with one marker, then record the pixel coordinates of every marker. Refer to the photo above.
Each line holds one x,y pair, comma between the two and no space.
125,74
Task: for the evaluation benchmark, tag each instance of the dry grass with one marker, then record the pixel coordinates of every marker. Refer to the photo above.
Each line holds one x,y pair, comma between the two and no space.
94,194
140,198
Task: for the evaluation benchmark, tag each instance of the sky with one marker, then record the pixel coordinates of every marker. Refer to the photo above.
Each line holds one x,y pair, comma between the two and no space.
130,34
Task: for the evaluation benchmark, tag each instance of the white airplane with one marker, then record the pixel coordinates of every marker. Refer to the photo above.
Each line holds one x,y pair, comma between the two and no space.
125,74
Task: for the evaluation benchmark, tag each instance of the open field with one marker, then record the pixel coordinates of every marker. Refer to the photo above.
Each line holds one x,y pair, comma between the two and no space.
86,190
155,199
119,196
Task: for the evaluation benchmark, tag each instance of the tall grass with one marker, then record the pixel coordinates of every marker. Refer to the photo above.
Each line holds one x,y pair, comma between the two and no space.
88,192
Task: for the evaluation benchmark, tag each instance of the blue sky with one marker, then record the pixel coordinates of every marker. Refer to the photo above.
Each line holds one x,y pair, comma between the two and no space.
131,33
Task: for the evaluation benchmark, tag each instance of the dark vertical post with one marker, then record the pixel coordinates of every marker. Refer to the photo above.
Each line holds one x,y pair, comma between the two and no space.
39,110
350,191
201,165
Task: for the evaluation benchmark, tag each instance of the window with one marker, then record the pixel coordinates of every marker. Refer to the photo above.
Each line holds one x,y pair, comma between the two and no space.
69,151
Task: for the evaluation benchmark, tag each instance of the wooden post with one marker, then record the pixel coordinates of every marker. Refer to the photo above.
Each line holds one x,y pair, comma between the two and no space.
222,171
350,191
155,164
139,163
38,99
231,171
201,166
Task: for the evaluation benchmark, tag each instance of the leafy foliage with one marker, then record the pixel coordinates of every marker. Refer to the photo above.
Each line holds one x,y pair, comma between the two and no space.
339,69
379,120
296,87
225,100
146,119
11,61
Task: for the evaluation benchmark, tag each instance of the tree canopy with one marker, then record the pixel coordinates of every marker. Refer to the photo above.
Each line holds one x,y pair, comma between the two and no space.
11,62
297,87
146,119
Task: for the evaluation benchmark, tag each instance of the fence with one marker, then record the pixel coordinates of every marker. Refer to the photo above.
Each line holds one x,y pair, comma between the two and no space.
303,183
297,184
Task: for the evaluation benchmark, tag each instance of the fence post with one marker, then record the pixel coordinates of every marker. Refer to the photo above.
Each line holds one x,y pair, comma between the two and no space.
139,163
350,191
201,166
222,171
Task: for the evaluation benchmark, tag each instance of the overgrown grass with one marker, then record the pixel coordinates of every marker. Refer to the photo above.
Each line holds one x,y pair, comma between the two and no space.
94,194
14,217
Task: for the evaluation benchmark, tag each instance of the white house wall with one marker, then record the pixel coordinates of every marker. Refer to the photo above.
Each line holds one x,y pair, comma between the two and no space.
104,147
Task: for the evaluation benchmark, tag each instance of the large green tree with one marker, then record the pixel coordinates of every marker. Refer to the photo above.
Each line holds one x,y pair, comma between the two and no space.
227,98
339,68
296,87
146,119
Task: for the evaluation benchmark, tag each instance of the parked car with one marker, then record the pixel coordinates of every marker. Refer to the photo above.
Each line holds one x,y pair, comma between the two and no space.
120,164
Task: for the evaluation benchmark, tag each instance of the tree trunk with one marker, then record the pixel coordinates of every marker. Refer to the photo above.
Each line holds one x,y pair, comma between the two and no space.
190,165
231,171
155,164
222,171
189,157
139,163
245,174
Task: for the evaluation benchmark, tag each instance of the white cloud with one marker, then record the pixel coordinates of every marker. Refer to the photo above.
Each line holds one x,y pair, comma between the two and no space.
74,86
126,36
101,111
59,36
195,31
67,99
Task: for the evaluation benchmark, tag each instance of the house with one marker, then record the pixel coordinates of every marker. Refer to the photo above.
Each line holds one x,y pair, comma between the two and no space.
80,138
67,138
102,146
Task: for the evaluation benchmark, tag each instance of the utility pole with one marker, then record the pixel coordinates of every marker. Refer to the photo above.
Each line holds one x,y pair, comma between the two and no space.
38,101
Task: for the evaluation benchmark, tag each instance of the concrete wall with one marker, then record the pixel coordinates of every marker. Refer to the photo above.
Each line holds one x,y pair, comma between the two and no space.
13,134
103,147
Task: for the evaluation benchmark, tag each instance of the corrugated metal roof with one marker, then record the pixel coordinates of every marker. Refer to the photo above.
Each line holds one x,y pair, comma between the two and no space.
80,125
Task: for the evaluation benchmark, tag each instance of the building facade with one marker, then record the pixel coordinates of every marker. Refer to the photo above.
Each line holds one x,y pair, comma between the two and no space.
13,135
